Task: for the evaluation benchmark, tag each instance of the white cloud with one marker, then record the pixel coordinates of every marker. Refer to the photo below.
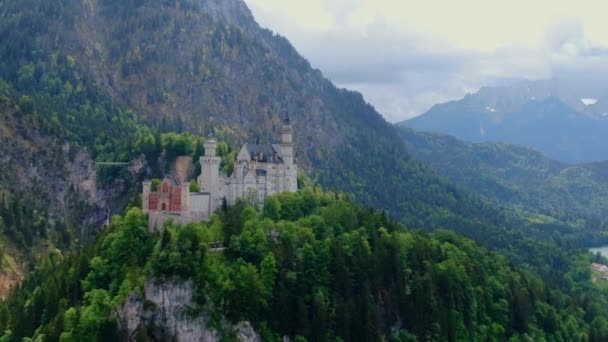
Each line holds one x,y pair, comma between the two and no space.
407,55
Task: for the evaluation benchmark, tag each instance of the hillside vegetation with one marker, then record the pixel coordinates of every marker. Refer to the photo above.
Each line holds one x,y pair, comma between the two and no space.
519,176
308,266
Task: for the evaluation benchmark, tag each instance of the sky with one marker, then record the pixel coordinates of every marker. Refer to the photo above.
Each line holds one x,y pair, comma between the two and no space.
407,55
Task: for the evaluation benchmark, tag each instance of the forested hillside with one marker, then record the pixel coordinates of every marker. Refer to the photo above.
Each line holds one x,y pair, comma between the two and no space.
49,190
311,266
519,176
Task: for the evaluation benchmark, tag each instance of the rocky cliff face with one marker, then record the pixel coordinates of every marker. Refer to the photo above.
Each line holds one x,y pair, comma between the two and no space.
166,308
49,188
55,180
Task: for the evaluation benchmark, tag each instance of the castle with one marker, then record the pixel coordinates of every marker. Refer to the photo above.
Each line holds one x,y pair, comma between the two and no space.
259,170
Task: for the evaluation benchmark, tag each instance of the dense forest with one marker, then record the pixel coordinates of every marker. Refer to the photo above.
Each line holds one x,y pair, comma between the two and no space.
310,265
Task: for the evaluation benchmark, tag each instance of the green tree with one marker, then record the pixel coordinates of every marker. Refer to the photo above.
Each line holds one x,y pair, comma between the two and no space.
272,208
26,104
94,315
194,186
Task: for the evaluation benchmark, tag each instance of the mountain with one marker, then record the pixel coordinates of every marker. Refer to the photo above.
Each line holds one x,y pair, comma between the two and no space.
539,115
83,83
600,108
517,175
105,76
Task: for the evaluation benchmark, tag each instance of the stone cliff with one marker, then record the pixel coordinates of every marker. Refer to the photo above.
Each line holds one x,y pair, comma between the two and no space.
166,309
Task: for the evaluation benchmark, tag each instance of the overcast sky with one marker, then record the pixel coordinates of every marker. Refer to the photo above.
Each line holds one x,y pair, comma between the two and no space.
406,55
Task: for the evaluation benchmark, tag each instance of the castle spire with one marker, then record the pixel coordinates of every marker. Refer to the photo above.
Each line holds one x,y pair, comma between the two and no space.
209,134
286,120
287,140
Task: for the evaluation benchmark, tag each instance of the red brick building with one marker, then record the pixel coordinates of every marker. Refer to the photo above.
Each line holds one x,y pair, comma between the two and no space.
170,196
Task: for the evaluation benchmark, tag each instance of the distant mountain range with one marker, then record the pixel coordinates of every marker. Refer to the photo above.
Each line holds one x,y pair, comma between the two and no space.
562,122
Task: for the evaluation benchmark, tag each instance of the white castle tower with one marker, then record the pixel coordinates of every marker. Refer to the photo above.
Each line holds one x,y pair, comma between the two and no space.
289,168
209,180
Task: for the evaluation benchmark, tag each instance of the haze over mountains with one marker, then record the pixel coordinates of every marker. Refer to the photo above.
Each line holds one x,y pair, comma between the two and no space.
562,121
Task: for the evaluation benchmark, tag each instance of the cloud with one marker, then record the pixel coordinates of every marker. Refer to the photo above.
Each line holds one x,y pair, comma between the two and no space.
406,55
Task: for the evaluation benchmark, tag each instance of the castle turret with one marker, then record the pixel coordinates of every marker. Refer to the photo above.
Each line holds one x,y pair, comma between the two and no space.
287,154
145,197
287,144
185,196
210,147
210,164
209,179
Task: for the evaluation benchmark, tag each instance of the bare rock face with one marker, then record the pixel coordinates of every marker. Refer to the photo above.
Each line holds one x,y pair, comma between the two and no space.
183,168
166,307
55,178
131,315
172,301
231,11
246,333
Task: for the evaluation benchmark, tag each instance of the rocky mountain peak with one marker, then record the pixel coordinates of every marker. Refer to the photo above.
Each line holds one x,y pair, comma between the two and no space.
233,12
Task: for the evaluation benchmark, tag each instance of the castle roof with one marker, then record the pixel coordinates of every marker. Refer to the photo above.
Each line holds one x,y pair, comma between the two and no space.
260,173
171,180
267,153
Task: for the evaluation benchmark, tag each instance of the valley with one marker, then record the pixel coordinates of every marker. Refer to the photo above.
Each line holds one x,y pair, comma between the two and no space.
571,198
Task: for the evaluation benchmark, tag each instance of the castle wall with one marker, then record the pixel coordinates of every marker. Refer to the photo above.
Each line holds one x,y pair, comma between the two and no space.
175,199
153,202
200,203
145,197
157,219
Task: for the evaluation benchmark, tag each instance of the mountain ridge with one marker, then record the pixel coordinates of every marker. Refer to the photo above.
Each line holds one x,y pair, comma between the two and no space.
544,120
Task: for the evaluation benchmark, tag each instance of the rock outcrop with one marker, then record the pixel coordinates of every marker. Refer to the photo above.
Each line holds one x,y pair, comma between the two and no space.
167,309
